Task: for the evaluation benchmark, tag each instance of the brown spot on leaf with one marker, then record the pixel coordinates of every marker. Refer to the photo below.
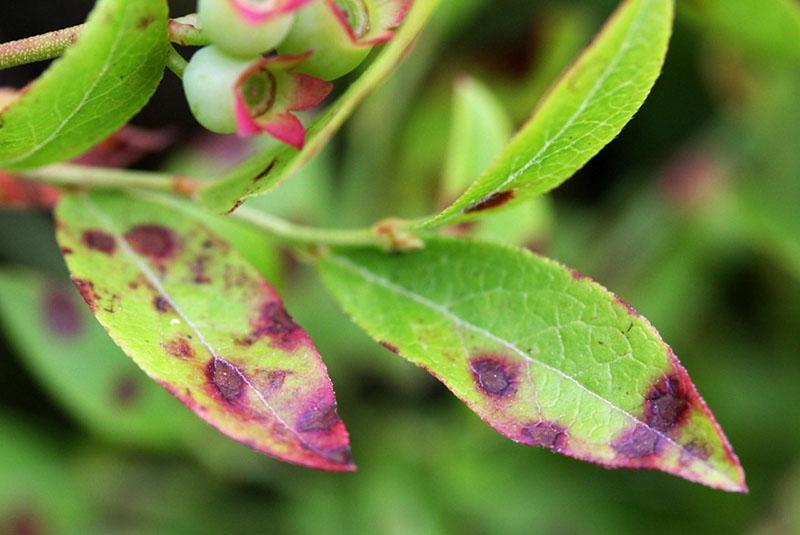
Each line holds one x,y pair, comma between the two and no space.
390,347
126,391
227,379
60,313
154,241
198,268
546,434
145,22
666,404
319,418
695,449
86,288
494,376
179,348
263,174
638,443
492,201
99,241
161,304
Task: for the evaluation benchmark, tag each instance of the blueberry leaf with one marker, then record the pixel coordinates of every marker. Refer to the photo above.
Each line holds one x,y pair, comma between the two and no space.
584,111
95,88
544,355
202,322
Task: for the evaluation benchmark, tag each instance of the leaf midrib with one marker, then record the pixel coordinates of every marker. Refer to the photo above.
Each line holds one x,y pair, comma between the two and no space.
371,277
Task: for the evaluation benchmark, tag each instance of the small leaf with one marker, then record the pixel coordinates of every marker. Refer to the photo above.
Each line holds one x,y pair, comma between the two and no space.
479,131
74,359
583,112
100,83
202,322
266,170
545,356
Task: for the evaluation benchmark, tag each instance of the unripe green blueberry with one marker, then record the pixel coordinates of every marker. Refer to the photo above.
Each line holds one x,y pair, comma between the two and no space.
229,31
317,28
209,83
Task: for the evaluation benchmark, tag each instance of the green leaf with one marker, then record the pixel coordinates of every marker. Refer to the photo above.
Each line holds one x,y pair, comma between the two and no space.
266,170
544,355
479,131
582,113
100,83
80,366
204,324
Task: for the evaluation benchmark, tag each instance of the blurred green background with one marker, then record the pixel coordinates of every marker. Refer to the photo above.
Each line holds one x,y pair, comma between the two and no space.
692,215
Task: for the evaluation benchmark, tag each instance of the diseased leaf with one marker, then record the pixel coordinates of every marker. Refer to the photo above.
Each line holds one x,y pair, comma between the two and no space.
544,355
583,112
203,323
77,363
100,83
266,170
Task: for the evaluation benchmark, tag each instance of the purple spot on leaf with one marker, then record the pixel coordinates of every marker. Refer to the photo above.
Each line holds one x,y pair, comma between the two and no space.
99,241
153,241
86,288
62,316
494,376
319,418
639,443
547,434
179,348
227,379
666,404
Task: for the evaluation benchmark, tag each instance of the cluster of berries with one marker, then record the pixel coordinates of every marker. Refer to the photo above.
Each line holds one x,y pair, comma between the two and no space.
233,87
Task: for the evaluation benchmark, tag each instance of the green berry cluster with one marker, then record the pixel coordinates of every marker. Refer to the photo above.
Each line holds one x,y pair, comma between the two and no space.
324,33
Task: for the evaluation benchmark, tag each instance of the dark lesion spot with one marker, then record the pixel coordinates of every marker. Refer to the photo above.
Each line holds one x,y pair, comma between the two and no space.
99,241
638,443
198,269
495,376
161,304
390,347
227,379
274,322
666,404
267,170
546,434
320,418
492,201
86,288
126,391
666,408
60,313
153,241
180,348
145,22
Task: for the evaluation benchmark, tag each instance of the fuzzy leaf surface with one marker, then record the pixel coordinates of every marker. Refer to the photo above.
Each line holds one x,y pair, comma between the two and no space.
266,170
583,112
544,355
94,89
203,323
71,356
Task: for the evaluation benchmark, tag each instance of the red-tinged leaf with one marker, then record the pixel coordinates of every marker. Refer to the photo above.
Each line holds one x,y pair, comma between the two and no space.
204,324
544,355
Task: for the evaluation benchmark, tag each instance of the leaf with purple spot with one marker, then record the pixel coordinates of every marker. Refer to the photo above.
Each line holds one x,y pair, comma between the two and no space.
546,357
222,343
